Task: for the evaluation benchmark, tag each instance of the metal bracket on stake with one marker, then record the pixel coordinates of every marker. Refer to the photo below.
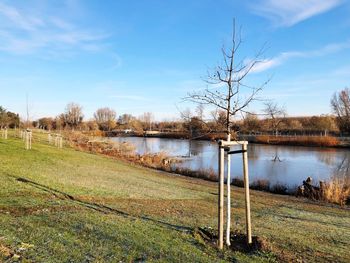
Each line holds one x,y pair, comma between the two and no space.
238,151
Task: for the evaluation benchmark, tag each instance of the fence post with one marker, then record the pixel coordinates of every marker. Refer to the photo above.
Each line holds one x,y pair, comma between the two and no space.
247,197
221,196
5,133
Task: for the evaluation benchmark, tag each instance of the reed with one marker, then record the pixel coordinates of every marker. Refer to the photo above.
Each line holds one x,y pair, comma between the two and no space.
319,141
337,191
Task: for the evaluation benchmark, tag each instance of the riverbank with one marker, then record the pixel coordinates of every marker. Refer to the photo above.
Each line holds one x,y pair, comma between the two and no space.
334,189
60,205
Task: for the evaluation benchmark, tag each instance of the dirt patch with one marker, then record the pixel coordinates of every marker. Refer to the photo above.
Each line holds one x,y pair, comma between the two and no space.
238,241
239,244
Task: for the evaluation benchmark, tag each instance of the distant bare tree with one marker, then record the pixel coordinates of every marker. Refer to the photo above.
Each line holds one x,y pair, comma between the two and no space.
200,111
251,123
73,115
125,118
228,91
276,115
340,104
148,118
105,118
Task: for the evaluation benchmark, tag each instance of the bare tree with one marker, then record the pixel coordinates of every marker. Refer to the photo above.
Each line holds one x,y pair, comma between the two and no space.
105,118
340,104
148,118
125,118
73,115
276,115
251,123
200,111
228,91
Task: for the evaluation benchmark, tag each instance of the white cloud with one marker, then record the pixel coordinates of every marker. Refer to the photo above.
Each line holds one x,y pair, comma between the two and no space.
285,56
22,31
290,12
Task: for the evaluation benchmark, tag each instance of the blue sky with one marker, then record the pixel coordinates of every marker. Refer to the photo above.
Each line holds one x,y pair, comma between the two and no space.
146,55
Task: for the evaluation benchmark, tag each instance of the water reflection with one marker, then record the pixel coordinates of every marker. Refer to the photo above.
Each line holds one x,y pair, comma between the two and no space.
293,165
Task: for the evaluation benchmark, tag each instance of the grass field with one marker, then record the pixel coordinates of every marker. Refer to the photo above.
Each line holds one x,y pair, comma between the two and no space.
61,205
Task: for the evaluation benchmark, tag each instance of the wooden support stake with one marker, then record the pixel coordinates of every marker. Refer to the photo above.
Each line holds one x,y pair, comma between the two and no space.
247,197
221,198
228,183
30,140
26,135
5,133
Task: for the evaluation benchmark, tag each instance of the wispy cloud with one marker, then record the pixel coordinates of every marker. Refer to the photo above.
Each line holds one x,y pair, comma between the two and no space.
290,12
285,56
23,31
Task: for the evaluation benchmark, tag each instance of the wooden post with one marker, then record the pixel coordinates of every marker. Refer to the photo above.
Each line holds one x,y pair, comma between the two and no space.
30,140
50,138
247,197
61,142
228,182
26,139
221,197
5,136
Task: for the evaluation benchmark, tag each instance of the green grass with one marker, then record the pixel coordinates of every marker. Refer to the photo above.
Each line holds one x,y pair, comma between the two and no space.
78,207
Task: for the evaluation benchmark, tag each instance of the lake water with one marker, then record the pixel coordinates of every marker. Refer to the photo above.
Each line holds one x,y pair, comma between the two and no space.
292,165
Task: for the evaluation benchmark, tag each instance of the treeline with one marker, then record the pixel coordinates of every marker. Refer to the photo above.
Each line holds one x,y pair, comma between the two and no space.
191,125
272,121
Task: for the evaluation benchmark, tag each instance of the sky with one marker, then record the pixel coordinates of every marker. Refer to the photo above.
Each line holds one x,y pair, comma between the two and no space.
147,55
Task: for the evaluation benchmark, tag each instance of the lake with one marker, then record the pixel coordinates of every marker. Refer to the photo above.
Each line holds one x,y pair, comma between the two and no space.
288,165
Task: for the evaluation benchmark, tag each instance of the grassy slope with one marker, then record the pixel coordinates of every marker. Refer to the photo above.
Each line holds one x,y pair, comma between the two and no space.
128,213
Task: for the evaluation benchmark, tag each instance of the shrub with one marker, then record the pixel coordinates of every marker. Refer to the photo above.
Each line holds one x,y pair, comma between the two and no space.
261,185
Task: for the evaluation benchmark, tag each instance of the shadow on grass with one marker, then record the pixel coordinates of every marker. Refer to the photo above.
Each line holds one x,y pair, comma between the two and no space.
99,207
